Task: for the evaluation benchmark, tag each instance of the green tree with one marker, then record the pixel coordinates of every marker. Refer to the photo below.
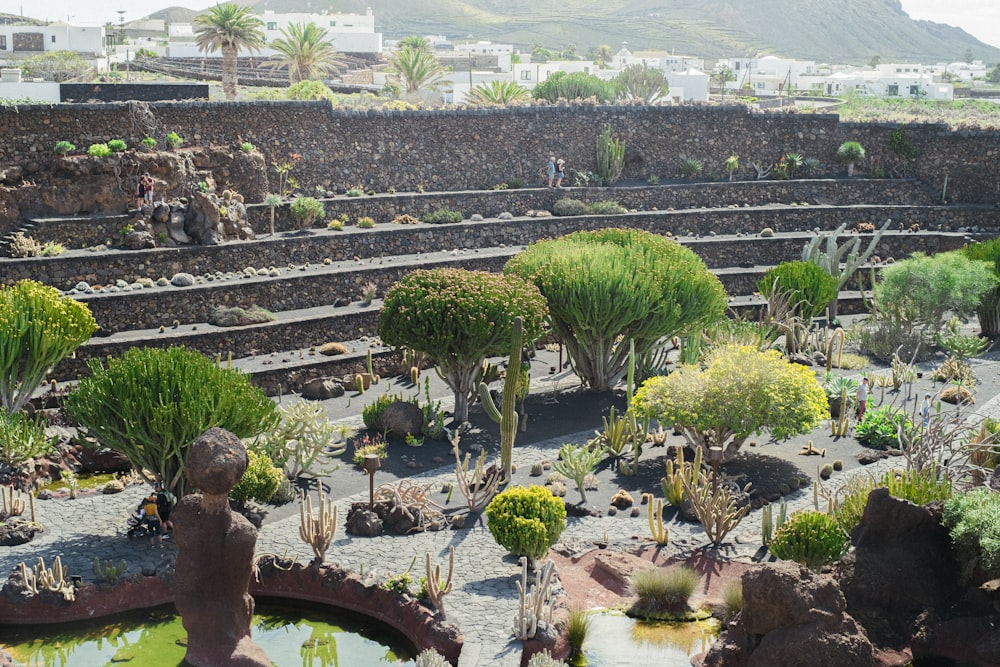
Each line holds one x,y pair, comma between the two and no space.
38,328
612,285
309,90
850,153
574,86
569,53
993,76
638,83
459,317
417,68
151,404
498,92
229,28
416,42
526,521
920,290
306,51
739,392
55,66
722,77
603,56
539,54
810,288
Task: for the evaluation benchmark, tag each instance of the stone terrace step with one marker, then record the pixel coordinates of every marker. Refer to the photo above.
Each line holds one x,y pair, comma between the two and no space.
78,232
316,246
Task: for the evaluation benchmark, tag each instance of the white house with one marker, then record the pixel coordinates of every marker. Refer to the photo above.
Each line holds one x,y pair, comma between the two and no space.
688,86
769,74
885,82
18,41
503,52
660,60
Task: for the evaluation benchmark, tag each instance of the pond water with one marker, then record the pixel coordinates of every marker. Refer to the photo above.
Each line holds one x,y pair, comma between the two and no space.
292,635
615,640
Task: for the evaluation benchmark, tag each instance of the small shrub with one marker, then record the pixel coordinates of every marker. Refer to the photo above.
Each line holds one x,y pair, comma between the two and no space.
64,148
23,246
372,413
766,233
812,539
224,316
811,288
306,211
662,591
150,143
577,629
399,583
568,206
99,150
336,225
404,219
732,600
51,249
333,349
973,522
526,521
879,428
354,191
691,167
442,216
247,147
365,222
653,179
174,140
606,208
22,439
117,145
367,444
259,482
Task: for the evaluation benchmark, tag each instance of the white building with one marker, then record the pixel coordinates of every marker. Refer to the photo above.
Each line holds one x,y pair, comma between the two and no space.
19,41
504,52
886,82
769,74
660,60
689,86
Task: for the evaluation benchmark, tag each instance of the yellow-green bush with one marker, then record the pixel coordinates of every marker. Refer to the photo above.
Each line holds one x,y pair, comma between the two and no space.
259,482
526,520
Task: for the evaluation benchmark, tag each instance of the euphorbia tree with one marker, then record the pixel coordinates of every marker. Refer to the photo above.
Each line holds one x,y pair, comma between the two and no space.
459,317
38,328
850,153
738,393
612,285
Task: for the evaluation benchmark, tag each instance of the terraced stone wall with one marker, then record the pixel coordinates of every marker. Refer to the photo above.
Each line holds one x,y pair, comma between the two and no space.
475,149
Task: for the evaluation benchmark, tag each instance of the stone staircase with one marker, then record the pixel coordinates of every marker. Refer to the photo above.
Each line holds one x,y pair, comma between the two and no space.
312,282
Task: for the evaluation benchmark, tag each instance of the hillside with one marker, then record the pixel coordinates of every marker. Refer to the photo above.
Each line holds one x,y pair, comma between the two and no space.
807,29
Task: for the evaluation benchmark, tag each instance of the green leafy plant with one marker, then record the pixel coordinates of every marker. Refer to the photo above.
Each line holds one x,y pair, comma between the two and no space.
151,404
850,153
22,438
38,328
606,208
461,317
442,216
399,583
369,444
809,287
336,225
365,222
576,463
569,206
526,521
51,249
810,538
303,442
663,592
117,145
247,147
260,481
879,427
174,140
372,413
608,286
732,164
150,143
99,150
306,211
64,148
988,310
691,167
973,522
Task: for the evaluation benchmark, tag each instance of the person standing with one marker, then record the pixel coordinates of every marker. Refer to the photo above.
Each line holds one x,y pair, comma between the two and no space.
140,192
560,171
862,398
925,411
151,517
147,185
551,170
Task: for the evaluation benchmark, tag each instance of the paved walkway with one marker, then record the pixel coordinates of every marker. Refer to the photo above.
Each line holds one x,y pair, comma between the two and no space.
484,597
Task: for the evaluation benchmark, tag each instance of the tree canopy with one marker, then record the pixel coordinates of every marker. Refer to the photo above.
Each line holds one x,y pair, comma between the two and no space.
229,28
305,51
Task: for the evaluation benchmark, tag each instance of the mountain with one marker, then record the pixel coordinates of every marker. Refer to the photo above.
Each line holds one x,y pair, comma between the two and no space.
851,31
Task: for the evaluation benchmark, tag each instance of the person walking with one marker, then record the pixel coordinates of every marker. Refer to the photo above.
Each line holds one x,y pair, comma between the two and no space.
151,517
925,411
560,171
550,170
862,398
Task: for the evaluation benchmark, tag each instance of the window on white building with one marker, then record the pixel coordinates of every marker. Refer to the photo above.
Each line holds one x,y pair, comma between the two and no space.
914,90
271,25
892,90
53,39
525,75
333,24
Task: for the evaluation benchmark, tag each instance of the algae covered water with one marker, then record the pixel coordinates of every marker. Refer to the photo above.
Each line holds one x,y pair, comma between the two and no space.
615,640
292,635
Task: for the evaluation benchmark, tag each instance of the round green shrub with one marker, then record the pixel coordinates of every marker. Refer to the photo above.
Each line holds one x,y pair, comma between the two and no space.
811,287
442,216
879,428
569,206
99,150
606,208
117,145
526,520
247,147
150,142
306,211
64,147
812,539
259,482
174,140
973,522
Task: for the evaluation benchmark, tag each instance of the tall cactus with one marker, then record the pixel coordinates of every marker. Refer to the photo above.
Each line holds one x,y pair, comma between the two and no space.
506,415
610,157
830,260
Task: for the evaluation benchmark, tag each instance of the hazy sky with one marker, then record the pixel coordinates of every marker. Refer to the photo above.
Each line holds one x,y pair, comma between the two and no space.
980,18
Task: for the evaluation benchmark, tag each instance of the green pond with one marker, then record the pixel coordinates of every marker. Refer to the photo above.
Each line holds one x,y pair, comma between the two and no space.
292,635
615,640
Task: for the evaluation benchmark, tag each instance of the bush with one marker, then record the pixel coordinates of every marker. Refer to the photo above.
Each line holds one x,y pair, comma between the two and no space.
879,427
920,290
151,404
662,592
64,148
247,147
306,211
918,487
38,328
369,445
812,539
372,413
224,316
812,289
615,284
989,304
460,317
526,521
309,90
117,145
973,522
606,208
442,216
174,140
22,439
99,150
574,86
568,206
150,143
365,222
23,246
260,481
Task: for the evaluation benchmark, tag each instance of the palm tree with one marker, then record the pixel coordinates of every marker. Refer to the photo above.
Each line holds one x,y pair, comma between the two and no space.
229,28
603,56
416,67
305,51
415,42
498,92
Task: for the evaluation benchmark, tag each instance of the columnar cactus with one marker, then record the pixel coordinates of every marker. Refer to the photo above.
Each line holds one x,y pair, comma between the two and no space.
507,416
